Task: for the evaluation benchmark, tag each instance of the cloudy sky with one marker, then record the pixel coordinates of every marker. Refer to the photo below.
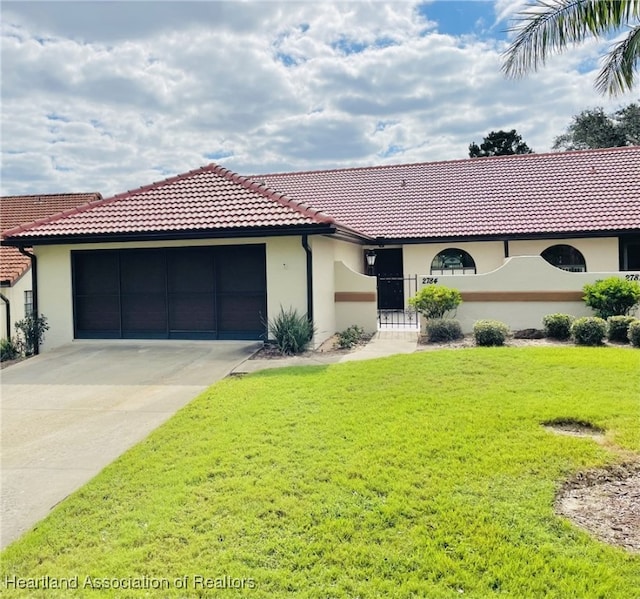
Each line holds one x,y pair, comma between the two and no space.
109,96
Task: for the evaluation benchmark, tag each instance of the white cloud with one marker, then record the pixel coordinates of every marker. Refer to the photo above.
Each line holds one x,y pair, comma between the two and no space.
112,96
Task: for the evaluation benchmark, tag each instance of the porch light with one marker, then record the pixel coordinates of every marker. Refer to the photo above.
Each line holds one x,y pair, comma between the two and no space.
371,260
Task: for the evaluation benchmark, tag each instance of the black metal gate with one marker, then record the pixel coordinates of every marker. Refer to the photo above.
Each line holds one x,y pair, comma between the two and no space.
394,311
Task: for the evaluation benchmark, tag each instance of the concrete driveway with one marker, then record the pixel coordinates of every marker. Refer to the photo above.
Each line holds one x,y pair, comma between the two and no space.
68,413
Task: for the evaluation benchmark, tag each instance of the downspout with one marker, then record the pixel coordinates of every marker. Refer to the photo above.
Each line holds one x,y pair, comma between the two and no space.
34,289
307,249
7,314
506,248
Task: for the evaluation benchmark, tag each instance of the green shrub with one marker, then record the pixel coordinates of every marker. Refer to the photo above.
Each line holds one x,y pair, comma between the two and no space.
612,296
589,330
618,328
32,329
292,332
490,332
350,337
557,326
434,301
9,349
443,329
634,333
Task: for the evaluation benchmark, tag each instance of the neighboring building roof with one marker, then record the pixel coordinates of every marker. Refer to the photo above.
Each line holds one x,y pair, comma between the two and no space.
560,193
18,210
201,202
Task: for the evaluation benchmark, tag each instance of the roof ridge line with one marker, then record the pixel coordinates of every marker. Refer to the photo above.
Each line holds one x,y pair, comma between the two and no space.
450,161
271,194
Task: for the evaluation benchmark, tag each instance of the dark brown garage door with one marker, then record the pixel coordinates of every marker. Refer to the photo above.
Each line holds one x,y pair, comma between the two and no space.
170,293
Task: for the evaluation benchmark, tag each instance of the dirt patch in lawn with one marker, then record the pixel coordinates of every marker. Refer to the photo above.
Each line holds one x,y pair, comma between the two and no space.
575,428
606,503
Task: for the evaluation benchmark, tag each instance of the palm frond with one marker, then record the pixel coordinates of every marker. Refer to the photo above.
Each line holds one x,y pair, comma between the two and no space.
549,26
617,74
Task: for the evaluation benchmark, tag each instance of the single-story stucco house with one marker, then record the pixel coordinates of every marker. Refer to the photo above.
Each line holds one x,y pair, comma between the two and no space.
211,254
16,282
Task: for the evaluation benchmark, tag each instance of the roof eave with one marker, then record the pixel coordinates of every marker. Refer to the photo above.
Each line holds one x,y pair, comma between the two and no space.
230,233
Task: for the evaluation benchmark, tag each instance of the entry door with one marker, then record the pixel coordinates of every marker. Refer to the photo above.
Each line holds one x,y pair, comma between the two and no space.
389,272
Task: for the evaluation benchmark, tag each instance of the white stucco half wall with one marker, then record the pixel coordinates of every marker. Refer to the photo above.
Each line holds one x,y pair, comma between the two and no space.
355,299
520,293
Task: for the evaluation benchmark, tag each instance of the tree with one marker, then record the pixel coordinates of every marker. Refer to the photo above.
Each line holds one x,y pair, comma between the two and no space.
593,128
629,121
550,26
499,143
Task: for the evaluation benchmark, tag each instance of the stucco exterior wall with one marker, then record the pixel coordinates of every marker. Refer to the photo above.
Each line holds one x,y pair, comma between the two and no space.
520,293
355,299
15,295
600,253
488,255
285,264
351,254
324,317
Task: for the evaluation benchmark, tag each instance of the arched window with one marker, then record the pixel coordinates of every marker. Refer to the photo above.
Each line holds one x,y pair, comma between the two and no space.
565,257
453,261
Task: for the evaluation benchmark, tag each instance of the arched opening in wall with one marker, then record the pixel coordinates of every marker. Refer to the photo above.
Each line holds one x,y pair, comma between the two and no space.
453,261
565,257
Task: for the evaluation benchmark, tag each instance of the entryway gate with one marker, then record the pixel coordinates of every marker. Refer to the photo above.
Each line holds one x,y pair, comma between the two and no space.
394,311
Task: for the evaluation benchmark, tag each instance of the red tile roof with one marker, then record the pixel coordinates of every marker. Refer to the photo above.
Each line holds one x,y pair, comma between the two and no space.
558,193
564,193
207,199
18,210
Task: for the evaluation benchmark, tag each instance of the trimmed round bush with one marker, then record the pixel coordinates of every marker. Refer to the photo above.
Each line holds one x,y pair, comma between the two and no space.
557,326
618,328
490,332
634,333
443,329
434,301
589,330
612,297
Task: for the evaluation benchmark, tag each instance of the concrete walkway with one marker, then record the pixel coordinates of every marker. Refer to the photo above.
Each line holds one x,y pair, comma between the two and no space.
68,413
383,343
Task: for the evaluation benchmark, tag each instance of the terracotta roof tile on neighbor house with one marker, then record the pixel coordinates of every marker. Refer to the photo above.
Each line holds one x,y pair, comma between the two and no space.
207,199
19,210
563,192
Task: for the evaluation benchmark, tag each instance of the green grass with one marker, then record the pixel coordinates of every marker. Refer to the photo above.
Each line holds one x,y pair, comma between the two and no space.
414,476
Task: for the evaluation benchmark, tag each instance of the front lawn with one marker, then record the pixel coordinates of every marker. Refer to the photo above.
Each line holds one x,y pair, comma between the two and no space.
426,475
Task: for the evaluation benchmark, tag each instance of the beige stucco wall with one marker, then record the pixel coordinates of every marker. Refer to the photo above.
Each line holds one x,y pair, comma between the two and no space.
359,301
351,254
601,254
488,255
529,274
15,295
324,317
286,278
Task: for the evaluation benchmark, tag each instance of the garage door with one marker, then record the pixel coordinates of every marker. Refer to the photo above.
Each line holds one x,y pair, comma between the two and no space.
170,293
